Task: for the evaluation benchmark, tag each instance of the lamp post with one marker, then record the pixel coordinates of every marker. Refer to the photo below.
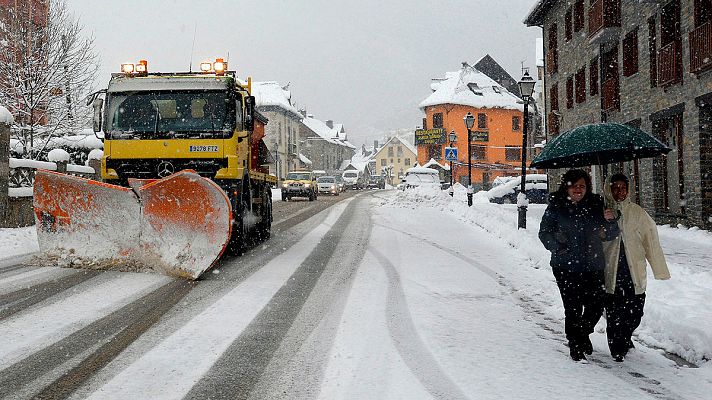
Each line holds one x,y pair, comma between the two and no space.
469,122
526,88
453,140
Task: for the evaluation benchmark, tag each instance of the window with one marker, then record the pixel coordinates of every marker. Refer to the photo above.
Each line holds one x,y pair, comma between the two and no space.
581,85
434,151
425,123
652,51
399,151
438,120
630,53
481,121
593,76
578,15
570,92
390,151
554,97
383,162
703,12
669,170
512,153
515,123
479,152
407,161
568,28
552,57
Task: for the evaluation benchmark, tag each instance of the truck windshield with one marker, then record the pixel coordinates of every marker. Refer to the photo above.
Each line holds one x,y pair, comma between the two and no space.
170,114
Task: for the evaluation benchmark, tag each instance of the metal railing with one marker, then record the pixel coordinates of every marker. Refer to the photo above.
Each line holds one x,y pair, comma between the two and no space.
22,172
701,47
670,63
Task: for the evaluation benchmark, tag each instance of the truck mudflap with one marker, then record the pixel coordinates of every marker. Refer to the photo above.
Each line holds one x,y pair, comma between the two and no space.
179,225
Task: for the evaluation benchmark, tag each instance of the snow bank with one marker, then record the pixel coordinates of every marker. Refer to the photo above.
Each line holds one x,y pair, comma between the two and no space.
58,155
5,116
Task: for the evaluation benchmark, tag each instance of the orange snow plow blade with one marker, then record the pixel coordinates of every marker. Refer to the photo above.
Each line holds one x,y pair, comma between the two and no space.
179,225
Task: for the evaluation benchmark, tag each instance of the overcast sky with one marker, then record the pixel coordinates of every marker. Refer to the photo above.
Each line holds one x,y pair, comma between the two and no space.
366,64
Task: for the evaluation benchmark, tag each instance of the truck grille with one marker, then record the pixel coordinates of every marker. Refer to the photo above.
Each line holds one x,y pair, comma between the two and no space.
154,169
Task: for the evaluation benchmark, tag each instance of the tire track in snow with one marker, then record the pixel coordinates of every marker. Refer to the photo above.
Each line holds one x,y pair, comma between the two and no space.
405,337
22,299
238,371
623,371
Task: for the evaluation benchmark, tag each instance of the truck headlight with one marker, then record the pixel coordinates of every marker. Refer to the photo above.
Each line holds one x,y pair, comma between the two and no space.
307,185
285,184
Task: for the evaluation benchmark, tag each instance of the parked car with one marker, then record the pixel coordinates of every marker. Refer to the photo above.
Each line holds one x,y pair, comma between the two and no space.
299,184
377,182
327,184
421,177
353,179
340,183
506,193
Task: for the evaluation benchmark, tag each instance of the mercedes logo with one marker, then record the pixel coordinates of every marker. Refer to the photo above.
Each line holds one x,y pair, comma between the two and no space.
164,169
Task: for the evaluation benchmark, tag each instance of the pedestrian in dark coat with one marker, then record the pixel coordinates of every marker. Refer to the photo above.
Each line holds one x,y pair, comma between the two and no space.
627,258
573,228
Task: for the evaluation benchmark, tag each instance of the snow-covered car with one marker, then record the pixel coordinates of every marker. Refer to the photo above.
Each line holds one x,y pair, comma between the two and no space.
328,185
353,179
421,177
506,193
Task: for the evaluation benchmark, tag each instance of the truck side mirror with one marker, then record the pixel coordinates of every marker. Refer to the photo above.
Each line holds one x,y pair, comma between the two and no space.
249,113
97,120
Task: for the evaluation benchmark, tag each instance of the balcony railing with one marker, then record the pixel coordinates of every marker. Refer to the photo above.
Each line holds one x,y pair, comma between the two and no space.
701,47
603,14
670,63
552,61
610,89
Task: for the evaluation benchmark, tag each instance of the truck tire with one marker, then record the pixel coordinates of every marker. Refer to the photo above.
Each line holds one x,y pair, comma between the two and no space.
265,225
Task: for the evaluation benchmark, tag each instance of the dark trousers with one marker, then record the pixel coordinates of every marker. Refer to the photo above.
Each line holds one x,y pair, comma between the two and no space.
583,295
623,315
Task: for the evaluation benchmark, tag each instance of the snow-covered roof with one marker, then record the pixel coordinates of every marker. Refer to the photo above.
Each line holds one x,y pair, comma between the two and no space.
5,116
323,131
432,162
273,94
421,170
304,159
470,87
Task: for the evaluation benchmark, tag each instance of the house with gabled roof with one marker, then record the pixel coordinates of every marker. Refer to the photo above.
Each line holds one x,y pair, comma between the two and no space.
393,159
324,143
495,143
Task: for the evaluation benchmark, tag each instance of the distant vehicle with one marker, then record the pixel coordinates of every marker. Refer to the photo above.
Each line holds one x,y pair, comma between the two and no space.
500,180
327,184
353,179
299,184
319,172
506,193
340,183
376,182
421,177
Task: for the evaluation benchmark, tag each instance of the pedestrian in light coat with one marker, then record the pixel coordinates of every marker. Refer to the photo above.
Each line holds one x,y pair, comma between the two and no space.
573,228
625,272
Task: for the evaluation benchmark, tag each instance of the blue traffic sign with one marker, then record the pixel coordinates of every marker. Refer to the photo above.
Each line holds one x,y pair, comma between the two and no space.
451,153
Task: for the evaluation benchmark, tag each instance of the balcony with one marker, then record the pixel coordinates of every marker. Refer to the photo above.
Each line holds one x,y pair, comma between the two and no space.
701,48
670,63
610,89
552,61
604,21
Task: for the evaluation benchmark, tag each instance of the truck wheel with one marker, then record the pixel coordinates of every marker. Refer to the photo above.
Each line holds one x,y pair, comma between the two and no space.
265,226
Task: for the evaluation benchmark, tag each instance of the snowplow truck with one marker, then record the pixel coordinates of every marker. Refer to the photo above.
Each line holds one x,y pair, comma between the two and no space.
184,177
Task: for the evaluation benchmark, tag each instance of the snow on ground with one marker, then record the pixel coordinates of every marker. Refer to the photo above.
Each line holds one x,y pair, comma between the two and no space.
458,303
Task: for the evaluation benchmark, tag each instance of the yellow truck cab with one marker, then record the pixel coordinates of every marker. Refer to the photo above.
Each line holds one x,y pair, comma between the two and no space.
300,184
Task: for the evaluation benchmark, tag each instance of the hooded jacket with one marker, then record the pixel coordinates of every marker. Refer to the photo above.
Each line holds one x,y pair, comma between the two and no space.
640,236
572,232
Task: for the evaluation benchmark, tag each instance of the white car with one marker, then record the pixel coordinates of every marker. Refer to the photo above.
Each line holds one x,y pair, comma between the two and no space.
421,177
327,184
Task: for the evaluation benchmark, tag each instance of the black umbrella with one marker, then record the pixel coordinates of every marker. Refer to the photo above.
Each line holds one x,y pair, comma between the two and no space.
598,144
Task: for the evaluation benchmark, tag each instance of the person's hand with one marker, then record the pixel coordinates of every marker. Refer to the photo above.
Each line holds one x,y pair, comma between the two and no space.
609,214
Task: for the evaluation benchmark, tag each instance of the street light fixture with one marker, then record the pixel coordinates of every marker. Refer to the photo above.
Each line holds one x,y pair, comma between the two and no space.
453,140
469,123
526,88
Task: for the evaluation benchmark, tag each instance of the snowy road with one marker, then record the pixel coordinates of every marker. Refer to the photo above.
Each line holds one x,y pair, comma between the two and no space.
374,296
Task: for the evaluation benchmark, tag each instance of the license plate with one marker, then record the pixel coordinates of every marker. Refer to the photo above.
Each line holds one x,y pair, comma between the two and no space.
203,149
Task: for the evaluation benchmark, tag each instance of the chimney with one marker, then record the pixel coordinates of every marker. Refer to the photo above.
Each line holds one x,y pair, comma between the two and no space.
303,111
330,124
375,145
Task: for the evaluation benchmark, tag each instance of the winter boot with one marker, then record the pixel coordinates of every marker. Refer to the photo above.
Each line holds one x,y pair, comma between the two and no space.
586,345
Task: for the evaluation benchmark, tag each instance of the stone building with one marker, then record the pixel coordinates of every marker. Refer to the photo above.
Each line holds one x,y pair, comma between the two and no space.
324,143
647,64
282,132
393,159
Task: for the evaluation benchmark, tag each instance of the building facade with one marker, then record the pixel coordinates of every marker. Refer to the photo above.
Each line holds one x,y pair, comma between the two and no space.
496,142
324,143
392,160
643,63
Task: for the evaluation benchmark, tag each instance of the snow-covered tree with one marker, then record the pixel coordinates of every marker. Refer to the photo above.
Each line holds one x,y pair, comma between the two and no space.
47,68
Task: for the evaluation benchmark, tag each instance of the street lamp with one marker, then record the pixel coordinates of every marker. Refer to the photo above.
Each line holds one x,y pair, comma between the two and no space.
469,122
526,88
453,140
